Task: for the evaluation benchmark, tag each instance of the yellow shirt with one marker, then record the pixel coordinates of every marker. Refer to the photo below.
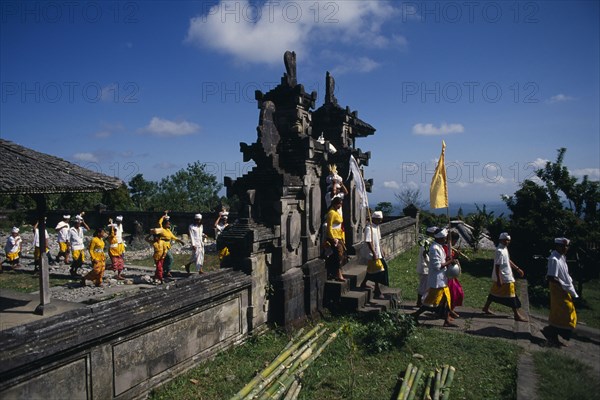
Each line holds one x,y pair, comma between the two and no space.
334,225
159,250
166,235
113,241
97,249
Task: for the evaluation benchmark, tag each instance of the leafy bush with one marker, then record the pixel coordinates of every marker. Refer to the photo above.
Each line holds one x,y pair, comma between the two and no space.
385,331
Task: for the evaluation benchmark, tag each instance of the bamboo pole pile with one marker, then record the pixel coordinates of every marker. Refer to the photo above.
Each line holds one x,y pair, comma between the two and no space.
281,379
441,379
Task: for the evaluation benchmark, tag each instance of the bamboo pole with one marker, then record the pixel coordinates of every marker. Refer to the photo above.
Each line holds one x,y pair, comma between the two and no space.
448,384
274,364
297,392
266,382
415,384
444,374
426,393
298,369
438,383
290,393
404,381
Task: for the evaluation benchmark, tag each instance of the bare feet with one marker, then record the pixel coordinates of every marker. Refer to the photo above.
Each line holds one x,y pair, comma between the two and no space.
454,314
521,319
448,324
487,312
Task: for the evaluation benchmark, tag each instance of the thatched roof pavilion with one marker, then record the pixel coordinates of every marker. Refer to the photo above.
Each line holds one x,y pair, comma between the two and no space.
28,172
25,171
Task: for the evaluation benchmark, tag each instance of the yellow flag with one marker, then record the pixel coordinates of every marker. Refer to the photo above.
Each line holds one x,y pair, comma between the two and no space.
438,192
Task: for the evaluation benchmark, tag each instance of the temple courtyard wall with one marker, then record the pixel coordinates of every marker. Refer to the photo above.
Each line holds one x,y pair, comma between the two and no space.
124,347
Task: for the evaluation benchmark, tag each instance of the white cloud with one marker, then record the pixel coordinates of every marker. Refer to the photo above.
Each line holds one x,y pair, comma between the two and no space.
391,185
559,98
165,128
537,164
360,64
254,33
443,129
86,157
103,134
592,173
165,165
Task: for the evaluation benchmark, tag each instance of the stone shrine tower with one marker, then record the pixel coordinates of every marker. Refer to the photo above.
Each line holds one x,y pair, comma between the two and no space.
277,238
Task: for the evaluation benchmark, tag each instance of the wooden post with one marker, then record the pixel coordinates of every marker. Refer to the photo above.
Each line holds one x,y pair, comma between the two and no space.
44,307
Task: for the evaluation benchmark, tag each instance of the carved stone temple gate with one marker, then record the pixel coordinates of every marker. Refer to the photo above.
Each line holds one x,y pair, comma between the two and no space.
278,235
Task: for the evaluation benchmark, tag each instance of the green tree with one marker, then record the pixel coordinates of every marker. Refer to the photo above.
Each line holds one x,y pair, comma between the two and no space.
189,189
117,199
559,206
385,207
479,222
142,192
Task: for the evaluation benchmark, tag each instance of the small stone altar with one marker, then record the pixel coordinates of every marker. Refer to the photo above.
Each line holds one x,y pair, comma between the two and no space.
277,239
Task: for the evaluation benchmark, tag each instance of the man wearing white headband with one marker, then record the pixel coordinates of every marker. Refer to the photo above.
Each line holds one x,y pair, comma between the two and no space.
422,263
438,294
503,289
196,232
376,271
221,223
563,318
62,236
13,249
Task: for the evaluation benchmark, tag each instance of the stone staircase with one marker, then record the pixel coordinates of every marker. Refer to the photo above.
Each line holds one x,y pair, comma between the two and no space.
347,297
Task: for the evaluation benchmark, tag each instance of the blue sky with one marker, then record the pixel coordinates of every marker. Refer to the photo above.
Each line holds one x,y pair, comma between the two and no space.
150,86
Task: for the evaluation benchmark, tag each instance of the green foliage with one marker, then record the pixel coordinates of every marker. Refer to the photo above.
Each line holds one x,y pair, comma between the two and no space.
79,201
385,207
189,189
142,192
481,221
117,199
562,206
385,331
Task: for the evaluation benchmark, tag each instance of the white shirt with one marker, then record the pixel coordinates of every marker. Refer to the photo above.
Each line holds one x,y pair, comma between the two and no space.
76,238
36,238
558,268
12,244
196,234
502,261
437,276
62,232
375,240
119,232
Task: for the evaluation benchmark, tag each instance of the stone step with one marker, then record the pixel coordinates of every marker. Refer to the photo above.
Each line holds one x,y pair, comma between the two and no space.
355,273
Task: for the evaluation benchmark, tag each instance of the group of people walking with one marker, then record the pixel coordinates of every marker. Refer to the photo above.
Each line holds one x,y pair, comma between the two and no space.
108,240
440,291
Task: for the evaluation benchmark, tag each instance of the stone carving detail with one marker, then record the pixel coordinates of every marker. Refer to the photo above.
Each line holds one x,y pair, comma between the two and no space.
283,216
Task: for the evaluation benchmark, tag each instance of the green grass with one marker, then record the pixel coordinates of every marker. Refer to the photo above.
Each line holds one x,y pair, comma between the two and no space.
562,378
486,368
475,278
27,281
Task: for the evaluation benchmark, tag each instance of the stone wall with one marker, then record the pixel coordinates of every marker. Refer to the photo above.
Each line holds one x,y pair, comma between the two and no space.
121,349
